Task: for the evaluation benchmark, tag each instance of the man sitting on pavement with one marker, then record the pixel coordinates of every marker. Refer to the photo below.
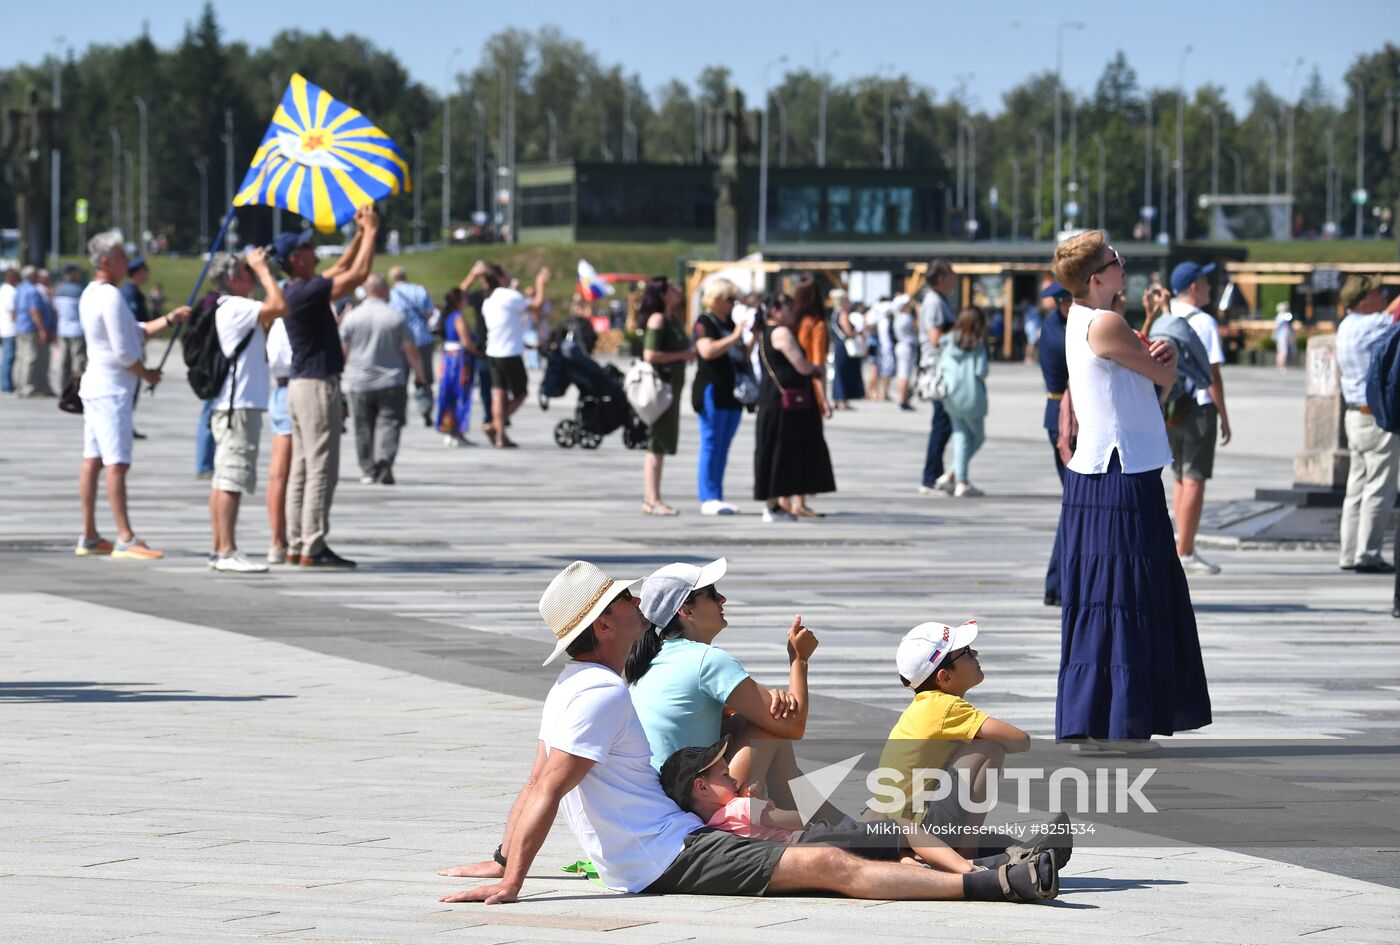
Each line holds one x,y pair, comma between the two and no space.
593,759
242,323
379,346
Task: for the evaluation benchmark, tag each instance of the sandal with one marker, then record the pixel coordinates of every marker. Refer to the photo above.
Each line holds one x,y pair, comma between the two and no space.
806,512
1044,879
659,508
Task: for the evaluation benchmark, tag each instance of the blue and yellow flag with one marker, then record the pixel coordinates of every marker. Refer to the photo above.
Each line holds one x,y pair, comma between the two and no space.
322,159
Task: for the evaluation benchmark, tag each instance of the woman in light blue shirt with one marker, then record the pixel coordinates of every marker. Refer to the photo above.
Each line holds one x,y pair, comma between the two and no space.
689,692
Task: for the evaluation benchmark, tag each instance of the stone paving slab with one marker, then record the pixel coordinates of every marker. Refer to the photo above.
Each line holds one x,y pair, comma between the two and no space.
255,799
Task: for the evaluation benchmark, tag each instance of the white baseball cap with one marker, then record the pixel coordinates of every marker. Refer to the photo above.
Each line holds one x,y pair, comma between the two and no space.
666,588
923,649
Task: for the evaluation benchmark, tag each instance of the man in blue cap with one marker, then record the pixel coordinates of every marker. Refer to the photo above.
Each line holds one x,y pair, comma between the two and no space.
1056,374
1192,437
313,393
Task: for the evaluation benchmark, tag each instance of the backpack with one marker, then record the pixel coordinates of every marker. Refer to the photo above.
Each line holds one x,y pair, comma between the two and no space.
206,366
1383,381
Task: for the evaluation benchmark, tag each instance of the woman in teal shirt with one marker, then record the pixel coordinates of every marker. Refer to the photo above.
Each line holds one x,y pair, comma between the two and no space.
688,692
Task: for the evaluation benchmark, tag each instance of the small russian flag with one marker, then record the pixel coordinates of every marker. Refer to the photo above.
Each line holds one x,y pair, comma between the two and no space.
590,286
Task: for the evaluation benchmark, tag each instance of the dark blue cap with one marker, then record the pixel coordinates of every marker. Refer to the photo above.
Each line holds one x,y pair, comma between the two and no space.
287,242
1188,272
138,263
1054,291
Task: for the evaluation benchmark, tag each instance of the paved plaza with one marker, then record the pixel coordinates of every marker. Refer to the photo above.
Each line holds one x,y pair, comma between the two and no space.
197,757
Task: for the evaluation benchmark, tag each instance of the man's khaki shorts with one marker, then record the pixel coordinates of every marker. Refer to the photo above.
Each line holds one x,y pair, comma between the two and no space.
1193,443
236,434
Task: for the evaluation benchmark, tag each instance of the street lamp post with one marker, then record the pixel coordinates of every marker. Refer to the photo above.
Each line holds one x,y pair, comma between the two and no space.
417,189
1166,176
1272,128
116,178
1015,199
821,108
1181,144
228,157
763,156
203,164
1060,27
1360,151
1038,217
55,155
145,220
1239,171
886,156
782,132
1147,209
1288,133
447,144
480,110
552,121
972,177
901,115
130,178
1103,170
1215,150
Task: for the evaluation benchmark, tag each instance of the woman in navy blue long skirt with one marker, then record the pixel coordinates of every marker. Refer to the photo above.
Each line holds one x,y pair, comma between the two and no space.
1130,659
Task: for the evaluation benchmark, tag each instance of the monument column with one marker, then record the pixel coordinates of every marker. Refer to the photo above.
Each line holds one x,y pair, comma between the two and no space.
1324,461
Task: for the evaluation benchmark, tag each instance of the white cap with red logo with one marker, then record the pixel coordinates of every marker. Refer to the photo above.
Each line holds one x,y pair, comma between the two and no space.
924,647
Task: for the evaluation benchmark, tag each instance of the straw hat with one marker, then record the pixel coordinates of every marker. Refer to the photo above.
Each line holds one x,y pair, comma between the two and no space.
574,599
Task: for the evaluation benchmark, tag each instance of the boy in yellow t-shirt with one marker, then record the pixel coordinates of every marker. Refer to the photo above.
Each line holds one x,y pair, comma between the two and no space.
941,730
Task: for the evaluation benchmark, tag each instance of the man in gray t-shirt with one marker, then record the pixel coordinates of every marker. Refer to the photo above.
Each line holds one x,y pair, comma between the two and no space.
379,349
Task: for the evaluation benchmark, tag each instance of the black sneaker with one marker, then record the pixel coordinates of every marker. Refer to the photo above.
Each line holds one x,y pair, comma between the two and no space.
386,475
1375,567
326,559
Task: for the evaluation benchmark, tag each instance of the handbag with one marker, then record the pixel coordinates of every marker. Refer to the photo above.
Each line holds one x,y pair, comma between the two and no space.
799,398
745,388
69,401
649,395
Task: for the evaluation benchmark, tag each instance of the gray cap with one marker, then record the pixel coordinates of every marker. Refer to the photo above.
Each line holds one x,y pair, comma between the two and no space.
667,588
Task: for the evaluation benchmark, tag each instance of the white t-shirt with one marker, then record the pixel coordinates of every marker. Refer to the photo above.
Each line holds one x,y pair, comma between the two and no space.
620,816
279,350
233,319
113,342
1208,331
7,310
504,314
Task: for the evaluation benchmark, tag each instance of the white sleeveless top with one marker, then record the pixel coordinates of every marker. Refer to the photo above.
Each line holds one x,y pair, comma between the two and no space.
1116,406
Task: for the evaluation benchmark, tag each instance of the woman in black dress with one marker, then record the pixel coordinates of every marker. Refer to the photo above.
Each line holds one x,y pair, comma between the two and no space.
790,455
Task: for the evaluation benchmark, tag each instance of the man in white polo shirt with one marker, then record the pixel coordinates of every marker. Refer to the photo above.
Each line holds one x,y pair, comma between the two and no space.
593,759
236,421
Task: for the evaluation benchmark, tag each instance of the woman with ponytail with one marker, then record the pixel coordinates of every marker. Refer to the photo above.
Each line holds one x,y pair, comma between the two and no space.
682,684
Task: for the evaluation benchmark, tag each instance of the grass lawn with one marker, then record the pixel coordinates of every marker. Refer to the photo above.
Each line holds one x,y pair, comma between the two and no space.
1319,251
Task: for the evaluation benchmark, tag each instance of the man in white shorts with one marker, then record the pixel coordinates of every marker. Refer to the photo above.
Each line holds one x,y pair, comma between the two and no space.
108,391
236,421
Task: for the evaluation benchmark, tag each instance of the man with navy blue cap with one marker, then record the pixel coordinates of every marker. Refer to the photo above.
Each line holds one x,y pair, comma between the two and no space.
313,393
1192,437
1055,371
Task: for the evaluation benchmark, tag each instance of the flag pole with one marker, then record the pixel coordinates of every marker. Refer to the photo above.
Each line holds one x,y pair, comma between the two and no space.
198,283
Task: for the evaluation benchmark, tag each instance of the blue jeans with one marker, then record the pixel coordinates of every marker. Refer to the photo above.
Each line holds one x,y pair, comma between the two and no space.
204,441
968,435
1052,572
938,436
717,429
7,365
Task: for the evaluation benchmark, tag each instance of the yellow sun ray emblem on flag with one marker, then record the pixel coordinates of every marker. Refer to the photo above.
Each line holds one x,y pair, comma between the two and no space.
322,159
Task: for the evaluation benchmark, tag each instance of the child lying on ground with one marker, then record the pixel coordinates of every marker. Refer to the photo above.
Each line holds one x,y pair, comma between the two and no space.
698,780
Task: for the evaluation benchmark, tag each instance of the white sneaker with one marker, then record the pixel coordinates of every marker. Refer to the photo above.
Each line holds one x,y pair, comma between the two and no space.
966,490
778,515
726,509
710,507
1195,564
238,563
368,480
213,561
946,482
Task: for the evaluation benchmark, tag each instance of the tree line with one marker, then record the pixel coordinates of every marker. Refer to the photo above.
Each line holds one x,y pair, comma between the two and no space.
565,102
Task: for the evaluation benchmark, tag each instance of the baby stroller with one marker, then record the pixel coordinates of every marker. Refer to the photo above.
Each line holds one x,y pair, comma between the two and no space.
602,406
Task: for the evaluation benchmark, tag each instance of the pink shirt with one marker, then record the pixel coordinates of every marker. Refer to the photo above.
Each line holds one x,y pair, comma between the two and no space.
742,816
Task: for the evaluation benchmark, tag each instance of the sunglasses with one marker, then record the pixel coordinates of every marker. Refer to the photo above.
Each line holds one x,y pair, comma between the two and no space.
954,657
1115,260
626,595
712,592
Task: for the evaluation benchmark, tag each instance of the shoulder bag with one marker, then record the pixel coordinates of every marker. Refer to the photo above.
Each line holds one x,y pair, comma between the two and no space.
792,399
